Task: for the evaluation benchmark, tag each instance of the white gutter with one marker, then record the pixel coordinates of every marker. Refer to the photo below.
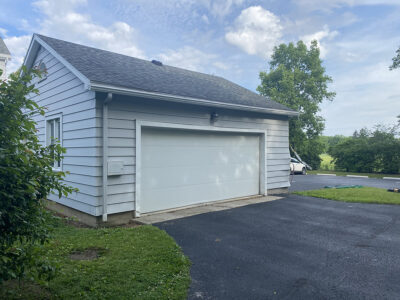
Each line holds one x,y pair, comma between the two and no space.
107,100
189,100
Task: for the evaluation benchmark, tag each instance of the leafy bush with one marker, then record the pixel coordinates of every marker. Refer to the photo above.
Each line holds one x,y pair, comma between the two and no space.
327,162
26,179
376,151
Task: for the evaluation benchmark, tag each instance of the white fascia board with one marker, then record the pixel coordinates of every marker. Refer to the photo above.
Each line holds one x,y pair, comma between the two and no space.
189,100
28,59
36,39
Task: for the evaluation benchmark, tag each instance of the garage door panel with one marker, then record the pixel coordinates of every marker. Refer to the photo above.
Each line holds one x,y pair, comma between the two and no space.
189,175
201,156
182,167
194,194
165,137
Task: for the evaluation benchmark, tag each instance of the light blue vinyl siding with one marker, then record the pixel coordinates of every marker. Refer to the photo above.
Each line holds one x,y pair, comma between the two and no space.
62,92
123,111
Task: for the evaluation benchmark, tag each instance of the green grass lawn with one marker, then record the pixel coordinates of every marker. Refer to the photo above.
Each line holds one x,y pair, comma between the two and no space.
363,195
142,262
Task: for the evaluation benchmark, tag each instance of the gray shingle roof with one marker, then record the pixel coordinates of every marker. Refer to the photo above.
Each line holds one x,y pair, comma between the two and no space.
109,68
3,48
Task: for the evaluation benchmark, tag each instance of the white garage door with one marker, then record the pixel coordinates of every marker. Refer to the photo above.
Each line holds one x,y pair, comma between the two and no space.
182,167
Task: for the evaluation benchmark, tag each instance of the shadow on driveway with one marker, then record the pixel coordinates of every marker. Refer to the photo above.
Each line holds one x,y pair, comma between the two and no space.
294,248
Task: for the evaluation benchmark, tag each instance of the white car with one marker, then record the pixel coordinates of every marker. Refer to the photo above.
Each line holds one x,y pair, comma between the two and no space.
297,167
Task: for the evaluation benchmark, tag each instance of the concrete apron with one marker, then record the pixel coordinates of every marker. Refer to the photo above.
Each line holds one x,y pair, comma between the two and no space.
201,209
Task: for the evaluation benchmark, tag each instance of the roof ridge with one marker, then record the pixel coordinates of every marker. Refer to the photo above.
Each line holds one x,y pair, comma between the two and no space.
115,69
116,53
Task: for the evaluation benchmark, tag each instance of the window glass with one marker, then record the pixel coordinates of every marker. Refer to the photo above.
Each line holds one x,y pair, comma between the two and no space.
53,136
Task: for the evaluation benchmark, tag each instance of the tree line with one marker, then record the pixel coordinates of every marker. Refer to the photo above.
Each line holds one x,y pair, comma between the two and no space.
366,151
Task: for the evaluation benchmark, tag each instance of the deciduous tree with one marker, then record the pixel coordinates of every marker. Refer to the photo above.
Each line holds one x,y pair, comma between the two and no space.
297,79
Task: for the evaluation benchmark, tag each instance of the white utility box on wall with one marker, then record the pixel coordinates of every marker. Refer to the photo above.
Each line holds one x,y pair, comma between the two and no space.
115,167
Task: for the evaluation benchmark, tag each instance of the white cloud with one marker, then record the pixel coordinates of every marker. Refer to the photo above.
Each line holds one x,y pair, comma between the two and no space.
221,65
324,34
256,31
192,59
62,21
17,46
205,19
221,8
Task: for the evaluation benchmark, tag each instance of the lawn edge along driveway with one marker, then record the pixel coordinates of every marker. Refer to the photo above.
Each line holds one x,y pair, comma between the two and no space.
359,195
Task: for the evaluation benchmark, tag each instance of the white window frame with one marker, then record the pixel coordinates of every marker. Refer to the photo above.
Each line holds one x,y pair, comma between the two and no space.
49,120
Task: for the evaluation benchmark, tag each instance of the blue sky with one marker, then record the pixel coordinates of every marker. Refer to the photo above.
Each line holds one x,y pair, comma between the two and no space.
234,39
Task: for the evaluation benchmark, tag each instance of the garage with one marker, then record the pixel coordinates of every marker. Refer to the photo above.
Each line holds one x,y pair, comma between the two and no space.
153,137
185,167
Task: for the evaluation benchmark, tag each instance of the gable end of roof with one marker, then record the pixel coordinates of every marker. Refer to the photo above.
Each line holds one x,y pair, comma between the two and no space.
34,47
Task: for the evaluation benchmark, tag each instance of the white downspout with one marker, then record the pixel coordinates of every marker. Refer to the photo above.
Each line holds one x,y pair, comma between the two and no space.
107,100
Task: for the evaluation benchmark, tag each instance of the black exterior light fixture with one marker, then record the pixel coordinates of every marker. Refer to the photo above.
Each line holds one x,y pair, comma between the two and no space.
213,117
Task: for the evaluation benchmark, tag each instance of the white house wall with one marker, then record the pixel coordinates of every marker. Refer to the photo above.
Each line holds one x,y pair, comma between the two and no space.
62,92
123,111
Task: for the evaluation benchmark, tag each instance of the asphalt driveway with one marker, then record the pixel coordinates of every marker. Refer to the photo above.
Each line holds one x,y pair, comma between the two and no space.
293,248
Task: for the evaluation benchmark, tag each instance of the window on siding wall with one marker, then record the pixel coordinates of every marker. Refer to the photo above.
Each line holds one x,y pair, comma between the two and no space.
53,134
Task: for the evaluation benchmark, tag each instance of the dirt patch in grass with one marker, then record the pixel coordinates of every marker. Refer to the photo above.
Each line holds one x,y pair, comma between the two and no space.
87,254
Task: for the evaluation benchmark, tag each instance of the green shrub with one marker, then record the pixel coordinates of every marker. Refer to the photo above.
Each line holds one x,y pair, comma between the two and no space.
327,162
26,179
376,151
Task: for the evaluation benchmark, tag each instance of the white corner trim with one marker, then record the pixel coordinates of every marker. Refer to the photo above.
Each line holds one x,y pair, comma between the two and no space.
42,43
138,143
188,100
